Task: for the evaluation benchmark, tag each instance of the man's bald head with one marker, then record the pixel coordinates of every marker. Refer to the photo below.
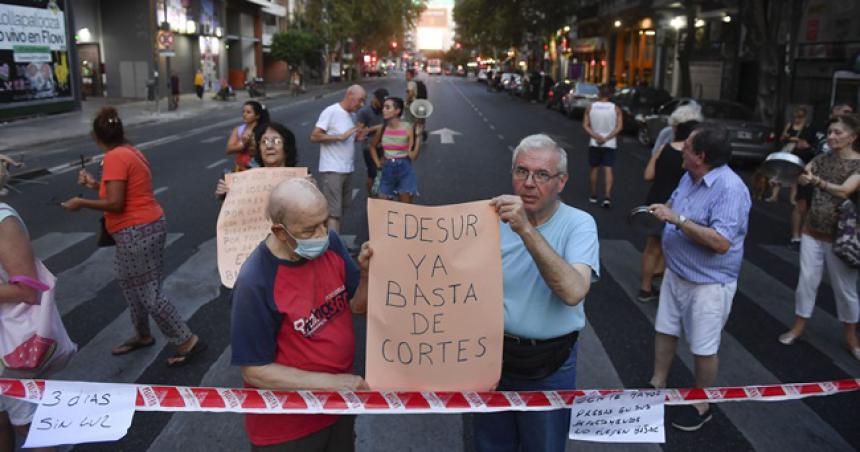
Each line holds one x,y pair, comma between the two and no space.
354,98
292,199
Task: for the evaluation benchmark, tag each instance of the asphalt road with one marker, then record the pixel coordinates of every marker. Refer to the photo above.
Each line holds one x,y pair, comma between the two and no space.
616,350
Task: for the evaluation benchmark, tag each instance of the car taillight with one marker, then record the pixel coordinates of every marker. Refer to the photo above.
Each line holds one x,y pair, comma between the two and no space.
771,137
551,94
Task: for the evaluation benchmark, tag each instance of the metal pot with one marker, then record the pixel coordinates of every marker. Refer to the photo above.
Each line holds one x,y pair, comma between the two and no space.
783,167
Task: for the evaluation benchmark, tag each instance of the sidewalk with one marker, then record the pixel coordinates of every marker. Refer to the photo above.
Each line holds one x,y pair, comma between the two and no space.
17,136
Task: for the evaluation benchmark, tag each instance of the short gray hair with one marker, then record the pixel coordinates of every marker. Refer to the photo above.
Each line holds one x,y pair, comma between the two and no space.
688,112
541,141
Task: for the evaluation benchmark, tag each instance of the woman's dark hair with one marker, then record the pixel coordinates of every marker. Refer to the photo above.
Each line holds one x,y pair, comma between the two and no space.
398,104
684,129
852,122
262,116
712,140
107,127
291,154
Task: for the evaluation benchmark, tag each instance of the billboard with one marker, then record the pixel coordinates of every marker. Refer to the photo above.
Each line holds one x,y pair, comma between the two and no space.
35,67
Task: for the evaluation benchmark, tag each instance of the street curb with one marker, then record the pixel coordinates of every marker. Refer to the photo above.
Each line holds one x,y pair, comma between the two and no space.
35,143
38,172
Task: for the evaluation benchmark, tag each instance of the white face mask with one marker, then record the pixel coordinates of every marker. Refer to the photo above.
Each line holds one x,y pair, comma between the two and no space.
309,249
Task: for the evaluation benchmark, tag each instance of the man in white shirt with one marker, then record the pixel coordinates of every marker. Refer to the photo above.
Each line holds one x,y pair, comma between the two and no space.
602,122
335,132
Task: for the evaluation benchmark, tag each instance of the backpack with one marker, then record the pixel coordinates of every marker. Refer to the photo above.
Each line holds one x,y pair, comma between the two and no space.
421,90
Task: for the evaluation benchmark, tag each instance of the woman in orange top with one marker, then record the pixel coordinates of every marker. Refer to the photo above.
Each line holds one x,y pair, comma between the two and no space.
136,222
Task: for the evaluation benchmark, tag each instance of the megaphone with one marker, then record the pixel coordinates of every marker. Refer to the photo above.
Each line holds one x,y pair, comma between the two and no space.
421,108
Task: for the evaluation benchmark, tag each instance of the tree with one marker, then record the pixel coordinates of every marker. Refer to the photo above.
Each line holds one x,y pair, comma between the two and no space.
296,47
491,25
370,24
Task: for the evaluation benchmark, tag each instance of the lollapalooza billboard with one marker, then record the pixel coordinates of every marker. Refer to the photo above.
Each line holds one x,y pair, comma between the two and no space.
35,67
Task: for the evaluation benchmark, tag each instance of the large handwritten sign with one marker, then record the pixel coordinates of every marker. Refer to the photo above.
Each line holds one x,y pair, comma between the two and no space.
625,417
72,412
435,307
242,223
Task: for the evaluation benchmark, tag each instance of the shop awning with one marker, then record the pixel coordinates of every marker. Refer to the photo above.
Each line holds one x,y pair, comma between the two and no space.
270,7
588,45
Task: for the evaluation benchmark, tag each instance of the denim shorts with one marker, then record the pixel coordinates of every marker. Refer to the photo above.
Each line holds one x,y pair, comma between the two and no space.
398,176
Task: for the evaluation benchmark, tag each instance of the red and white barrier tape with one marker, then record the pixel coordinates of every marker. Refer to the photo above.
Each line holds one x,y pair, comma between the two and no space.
222,400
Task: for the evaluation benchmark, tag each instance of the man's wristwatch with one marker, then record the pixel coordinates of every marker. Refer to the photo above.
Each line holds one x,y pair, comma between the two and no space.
681,220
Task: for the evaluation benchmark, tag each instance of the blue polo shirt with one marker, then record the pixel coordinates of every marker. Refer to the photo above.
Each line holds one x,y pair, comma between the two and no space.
532,309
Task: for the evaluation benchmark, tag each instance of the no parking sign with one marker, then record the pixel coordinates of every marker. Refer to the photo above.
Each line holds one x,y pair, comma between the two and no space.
164,41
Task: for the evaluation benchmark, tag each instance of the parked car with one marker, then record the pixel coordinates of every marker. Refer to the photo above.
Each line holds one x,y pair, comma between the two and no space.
579,98
637,102
510,81
750,138
482,76
556,92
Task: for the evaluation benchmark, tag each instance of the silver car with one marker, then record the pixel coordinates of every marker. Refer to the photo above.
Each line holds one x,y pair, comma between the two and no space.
579,98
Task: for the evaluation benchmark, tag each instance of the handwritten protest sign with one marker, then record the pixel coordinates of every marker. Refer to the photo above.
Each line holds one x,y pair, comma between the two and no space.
242,223
72,412
435,308
624,417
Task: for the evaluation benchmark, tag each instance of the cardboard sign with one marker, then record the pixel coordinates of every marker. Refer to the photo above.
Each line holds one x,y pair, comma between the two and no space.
625,417
72,412
242,222
435,307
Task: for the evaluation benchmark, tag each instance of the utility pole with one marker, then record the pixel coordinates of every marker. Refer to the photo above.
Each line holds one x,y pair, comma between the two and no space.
166,27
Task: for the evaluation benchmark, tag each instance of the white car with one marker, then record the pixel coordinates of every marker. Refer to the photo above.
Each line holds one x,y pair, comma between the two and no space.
482,76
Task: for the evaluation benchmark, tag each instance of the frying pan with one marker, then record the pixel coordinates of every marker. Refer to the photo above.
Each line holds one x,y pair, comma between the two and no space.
641,219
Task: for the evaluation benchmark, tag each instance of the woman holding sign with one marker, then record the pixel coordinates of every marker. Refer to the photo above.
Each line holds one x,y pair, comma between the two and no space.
401,149
135,221
276,147
241,141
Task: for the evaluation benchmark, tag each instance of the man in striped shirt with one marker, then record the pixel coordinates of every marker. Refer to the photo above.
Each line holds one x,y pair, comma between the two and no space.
703,242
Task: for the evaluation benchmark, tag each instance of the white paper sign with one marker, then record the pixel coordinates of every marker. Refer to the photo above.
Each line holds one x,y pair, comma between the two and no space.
628,417
73,412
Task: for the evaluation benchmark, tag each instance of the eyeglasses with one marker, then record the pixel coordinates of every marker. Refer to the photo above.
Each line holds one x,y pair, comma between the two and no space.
540,177
271,141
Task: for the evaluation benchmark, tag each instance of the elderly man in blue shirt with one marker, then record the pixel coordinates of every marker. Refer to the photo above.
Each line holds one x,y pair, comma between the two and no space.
549,259
703,241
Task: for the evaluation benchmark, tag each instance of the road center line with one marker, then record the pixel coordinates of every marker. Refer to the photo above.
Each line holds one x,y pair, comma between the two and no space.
212,139
159,190
214,164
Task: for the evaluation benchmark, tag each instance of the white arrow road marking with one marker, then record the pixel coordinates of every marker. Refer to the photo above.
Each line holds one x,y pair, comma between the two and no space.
446,135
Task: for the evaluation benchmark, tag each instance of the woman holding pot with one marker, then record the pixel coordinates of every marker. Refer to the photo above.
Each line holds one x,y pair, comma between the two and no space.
835,177
135,221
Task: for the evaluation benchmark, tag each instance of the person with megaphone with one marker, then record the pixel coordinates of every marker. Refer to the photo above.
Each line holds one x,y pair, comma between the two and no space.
400,149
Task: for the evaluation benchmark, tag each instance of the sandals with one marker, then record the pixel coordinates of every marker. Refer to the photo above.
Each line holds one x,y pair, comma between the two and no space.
182,358
132,345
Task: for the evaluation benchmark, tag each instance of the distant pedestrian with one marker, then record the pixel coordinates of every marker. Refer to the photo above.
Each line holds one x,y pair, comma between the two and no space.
198,83
371,121
835,177
703,243
401,145
603,122
174,91
136,222
335,131
241,141
664,170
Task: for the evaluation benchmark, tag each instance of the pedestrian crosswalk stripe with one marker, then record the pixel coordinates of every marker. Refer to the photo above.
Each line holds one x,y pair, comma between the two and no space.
54,243
83,282
227,430
192,285
782,429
